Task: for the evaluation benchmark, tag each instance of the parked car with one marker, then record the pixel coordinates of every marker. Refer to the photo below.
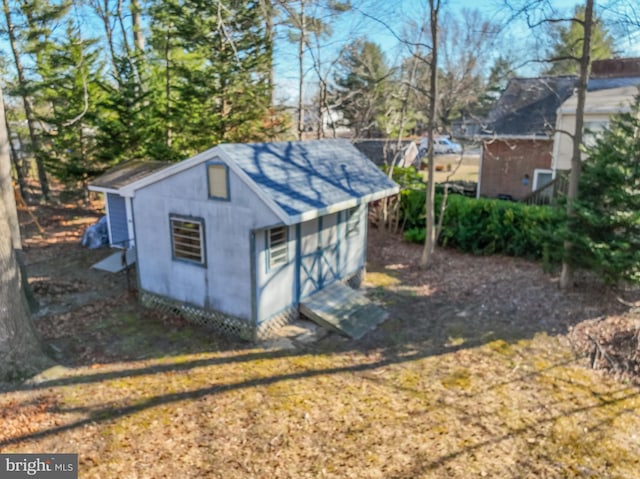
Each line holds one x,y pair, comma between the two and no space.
445,145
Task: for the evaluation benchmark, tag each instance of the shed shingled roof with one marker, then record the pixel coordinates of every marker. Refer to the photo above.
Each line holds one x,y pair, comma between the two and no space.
306,176
127,173
300,180
528,106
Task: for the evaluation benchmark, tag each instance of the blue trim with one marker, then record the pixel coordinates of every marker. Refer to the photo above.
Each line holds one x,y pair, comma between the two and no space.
226,171
267,250
135,236
320,251
254,278
338,240
365,236
203,245
298,262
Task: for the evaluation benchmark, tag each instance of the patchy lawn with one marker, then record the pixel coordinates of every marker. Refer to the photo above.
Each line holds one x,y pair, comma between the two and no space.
477,373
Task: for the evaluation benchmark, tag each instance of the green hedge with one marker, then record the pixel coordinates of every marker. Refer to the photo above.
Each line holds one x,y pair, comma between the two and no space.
483,226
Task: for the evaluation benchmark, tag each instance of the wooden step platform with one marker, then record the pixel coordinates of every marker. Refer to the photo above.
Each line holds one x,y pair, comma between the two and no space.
343,310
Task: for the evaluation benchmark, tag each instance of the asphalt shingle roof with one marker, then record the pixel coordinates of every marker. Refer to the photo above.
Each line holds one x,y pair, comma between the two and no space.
528,106
309,175
127,173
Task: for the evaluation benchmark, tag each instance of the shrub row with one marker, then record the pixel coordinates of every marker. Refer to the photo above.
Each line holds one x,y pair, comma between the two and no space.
483,226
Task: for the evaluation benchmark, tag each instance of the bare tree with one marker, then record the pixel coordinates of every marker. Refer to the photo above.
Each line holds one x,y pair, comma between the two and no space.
21,353
466,43
576,158
430,239
539,14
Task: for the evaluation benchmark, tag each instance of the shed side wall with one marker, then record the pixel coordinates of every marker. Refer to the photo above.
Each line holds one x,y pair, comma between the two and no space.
224,282
286,286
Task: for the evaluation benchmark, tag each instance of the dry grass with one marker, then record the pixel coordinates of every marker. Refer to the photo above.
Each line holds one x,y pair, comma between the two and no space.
472,376
455,170
450,168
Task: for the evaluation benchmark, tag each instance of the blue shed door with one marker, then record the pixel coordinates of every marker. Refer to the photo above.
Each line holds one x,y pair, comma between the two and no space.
319,259
118,226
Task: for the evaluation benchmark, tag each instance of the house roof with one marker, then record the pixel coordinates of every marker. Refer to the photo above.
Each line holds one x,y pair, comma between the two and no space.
607,83
125,174
527,107
298,180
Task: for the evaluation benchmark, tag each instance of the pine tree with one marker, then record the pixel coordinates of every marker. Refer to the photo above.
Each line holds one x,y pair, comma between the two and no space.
606,226
567,44
69,87
212,76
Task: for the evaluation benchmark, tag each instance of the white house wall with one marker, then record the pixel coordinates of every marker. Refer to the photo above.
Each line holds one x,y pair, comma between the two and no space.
224,282
563,144
599,106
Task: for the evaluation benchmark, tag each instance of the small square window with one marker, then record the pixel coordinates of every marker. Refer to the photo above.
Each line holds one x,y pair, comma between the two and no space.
277,247
353,222
218,177
187,239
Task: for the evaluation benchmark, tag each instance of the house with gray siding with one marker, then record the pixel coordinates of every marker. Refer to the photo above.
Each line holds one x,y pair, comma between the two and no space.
239,235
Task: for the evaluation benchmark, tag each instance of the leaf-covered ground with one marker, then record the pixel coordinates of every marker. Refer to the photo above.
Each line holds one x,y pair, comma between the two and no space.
480,371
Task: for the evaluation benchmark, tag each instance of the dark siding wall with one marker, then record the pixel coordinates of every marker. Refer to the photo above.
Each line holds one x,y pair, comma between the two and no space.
118,220
505,163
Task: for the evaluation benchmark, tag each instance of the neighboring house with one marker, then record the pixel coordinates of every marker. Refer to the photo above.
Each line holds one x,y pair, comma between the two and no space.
240,235
517,141
611,89
525,142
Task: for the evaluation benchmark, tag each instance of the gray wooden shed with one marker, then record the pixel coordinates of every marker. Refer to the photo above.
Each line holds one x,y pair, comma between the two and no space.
241,235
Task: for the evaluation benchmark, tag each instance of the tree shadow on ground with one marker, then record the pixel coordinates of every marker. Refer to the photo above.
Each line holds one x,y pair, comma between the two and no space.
459,304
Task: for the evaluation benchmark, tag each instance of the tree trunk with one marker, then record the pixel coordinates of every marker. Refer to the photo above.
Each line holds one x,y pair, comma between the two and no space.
301,44
167,87
566,277
430,239
17,164
26,100
21,353
136,19
268,11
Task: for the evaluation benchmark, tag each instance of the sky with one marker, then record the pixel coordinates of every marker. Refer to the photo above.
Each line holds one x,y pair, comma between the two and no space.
382,21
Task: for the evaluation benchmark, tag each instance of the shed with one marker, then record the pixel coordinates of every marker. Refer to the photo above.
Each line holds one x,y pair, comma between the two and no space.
239,236
118,198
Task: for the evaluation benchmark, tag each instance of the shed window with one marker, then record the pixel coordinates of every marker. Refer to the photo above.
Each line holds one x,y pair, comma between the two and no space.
353,222
187,239
218,176
277,247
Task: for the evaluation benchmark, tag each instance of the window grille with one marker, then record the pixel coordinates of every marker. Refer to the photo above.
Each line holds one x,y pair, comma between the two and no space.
277,245
187,239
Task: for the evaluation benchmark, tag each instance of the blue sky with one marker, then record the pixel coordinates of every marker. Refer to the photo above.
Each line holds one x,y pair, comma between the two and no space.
393,14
